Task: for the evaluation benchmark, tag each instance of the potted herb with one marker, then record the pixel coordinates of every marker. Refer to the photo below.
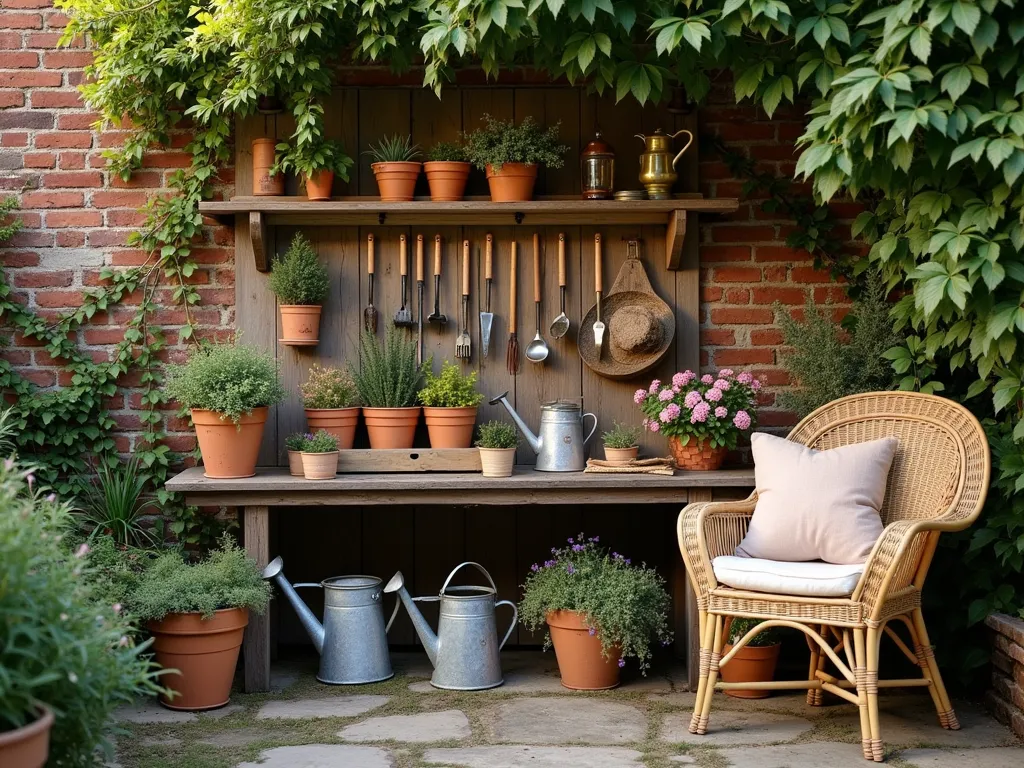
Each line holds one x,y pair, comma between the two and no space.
396,167
197,613
294,444
702,418
599,609
301,284
510,154
450,402
497,442
320,456
620,444
228,388
387,381
447,171
332,403
317,162
753,663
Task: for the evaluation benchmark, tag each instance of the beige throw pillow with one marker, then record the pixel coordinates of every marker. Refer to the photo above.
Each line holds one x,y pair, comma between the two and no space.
817,505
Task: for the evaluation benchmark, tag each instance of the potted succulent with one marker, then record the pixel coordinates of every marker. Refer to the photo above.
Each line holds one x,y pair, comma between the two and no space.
227,388
320,456
450,403
332,403
497,442
510,155
702,418
447,171
599,609
317,162
396,167
620,443
301,284
387,381
753,663
294,444
197,613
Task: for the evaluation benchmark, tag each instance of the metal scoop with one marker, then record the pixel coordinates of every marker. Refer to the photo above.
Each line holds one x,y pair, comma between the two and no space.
560,325
537,350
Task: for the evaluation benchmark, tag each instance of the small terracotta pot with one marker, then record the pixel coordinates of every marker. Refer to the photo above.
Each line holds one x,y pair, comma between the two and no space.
28,746
450,427
320,466
513,183
447,179
391,427
621,456
580,662
229,451
696,455
340,422
396,181
751,664
318,185
204,651
300,324
497,462
295,464
262,161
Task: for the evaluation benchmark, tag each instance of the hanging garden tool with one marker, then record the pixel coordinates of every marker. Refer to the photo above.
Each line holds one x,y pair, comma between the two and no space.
486,317
537,350
403,317
599,327
560,325
512,354
419,290
463,344
436,316
370,313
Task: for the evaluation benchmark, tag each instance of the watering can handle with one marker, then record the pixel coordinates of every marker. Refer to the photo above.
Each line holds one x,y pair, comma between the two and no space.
592,429
515,620
307,584
394,613
478,566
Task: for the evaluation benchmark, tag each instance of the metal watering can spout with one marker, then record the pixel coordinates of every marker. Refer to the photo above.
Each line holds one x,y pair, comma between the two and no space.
421,625
532,439
274,570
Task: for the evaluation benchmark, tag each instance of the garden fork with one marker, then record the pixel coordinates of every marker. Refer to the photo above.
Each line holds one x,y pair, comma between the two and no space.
463,344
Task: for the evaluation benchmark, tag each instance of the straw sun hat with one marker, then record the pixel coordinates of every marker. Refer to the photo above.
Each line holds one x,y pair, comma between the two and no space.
640,329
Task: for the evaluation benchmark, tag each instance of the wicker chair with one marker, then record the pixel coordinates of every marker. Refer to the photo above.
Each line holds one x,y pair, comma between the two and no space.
938,482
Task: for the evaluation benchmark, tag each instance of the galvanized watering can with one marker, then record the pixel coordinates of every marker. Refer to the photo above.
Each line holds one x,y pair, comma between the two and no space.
465,649
560,446
352,641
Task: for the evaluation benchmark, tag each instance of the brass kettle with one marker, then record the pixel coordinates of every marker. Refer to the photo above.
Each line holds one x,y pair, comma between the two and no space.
657,165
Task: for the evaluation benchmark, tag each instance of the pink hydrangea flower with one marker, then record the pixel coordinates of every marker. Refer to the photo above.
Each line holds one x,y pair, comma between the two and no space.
741,420
721,412
744,378
679,380
666,394
700,413
707,378
655,386
677,389
688,376
653,426
692,398
639,396
755,385
722,384
714,394
670,413
725,373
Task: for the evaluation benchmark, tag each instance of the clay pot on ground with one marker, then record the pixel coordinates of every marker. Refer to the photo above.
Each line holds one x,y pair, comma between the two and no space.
205,653
229,450
513,183
300,324
295,464
28,746
450,427
751,664
696,455
318,185
340,422
396,181
497,462
262,161
320,466
621,456
581,663
391,427
447,179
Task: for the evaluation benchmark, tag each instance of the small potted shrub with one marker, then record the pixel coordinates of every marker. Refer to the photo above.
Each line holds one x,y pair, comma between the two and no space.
317,162
497,442
387,381
450,403
447,171
396,167
510,155
197,613
320,456
599,609
301,284
332,403
228,389
294,444
753,663
702,418
620,444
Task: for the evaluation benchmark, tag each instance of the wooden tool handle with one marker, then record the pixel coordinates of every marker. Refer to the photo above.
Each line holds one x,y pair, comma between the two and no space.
465,267
512,291
403,257
561,259
536,267
369,254
419,258
489,257
437,255
598,285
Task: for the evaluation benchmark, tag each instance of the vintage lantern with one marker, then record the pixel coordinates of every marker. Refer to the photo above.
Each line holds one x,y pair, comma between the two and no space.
597,165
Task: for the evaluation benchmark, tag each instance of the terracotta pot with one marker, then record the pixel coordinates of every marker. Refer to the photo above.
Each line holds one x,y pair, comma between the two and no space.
450,427
204,651
262,161
320,466
621,456
513,183
751,665
229,451
396,181
447,180
391,427
300,324
340,422
295,464
318,186
497,462
580,662
28,746
696,455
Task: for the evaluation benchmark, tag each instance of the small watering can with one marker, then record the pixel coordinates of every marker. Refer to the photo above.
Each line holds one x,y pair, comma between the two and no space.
560,446
352,641
657,165
465,649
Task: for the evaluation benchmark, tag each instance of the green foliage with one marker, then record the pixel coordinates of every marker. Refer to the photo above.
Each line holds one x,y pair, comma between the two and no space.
497,434
194,529
394,149
328,388
450,389
295,441
621,436
115,503
298,277
10,225
447,152
626,605
321,442
388,376
307,158
500,141
739,627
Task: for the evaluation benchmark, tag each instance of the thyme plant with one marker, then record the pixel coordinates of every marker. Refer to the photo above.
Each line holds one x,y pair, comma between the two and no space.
497,434
298,277
447,152
621,436
500,141
328,388
450,388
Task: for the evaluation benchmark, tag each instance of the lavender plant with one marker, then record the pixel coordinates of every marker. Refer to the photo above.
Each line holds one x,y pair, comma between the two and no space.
321,442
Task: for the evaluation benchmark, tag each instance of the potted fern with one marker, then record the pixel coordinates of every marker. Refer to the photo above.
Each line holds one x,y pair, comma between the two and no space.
510,154
396,167
497,442
620,444
332,403
301,284
320,456
294,444
387,380
450,403
447,171
316,162
755,662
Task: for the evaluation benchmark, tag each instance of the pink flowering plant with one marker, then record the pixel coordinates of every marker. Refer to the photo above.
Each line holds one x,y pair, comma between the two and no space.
714,408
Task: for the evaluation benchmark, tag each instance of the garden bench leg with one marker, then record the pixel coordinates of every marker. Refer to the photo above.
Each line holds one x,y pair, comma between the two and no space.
256,528
687,634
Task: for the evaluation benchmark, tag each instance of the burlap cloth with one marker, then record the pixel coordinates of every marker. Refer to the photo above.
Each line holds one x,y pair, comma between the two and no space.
665,466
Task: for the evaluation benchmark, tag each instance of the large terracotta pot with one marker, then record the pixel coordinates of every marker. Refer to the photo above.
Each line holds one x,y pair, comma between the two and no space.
751,664
300,324
28,746
580,662
320,466
340,422
262,161
318,185
205,653
450,427
396,181
513,183
621,456
229,451
497,462
391,427
447,180
295,464
696,455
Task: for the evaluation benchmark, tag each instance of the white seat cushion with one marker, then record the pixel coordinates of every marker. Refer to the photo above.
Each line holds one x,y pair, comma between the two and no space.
807,579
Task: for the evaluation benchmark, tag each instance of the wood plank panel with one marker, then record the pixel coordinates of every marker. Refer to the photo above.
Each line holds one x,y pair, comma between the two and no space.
435,120
341,123
382,112
550,106
389,545
256,643
439,340
440,546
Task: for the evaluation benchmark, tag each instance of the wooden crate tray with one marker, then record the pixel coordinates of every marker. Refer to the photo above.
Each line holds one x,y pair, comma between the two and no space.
368,460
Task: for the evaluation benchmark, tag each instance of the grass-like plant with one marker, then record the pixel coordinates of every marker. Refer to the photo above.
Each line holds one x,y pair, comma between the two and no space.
739,627
295,441
394,149
450,388
447,152
328,388
497,434
114,504
298,277
621,436
307,158
388,376
321,442
500,141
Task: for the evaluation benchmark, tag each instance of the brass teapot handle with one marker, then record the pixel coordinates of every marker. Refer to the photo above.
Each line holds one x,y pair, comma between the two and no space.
689,141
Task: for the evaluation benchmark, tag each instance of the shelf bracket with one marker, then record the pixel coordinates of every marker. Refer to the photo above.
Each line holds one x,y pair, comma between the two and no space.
381,218
675,234
519,217
258,238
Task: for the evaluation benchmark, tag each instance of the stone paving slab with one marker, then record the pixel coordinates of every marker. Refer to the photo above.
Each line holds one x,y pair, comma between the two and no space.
991,757
322,756
910,724
728,728
535,757
555,720
219,714
149,712
422,728
335,706
812,755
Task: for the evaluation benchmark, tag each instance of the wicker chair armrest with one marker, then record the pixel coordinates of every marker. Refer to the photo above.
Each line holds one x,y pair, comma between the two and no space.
701,539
